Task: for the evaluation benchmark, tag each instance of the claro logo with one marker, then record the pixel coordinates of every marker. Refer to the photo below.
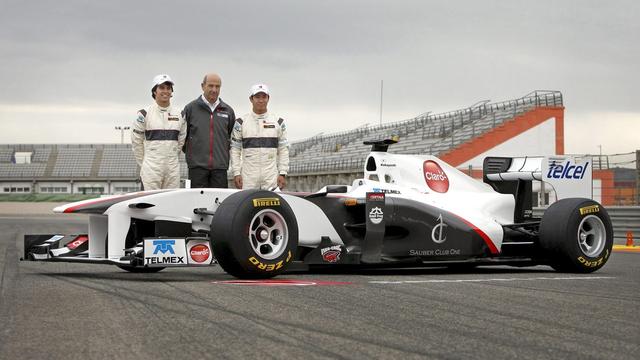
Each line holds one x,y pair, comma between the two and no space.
435,177
199,253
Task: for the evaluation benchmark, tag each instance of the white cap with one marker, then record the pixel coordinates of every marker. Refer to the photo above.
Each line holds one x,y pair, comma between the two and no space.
259,88
161,79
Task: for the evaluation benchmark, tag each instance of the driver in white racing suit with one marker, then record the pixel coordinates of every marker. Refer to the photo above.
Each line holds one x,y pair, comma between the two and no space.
157,138
259,146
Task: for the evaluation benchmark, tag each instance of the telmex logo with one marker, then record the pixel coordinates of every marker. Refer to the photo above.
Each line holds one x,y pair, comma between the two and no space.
435,177
567,170
163,246
266,202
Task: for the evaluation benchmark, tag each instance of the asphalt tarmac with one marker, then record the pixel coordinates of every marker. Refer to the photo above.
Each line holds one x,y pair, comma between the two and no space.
80,311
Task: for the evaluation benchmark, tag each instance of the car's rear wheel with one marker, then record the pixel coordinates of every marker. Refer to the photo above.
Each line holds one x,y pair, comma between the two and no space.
577,235
254,234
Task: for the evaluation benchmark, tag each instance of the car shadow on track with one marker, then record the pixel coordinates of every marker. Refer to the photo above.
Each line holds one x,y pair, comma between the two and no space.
199,275
480,270
167,275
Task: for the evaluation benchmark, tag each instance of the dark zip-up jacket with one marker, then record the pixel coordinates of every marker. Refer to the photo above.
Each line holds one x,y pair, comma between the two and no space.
208,134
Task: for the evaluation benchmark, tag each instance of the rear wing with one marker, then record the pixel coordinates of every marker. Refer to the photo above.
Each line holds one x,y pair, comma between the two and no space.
563,176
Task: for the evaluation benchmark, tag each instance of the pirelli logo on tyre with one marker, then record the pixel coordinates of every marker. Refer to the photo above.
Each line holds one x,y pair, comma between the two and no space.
264,202
269,267
594,263
592,209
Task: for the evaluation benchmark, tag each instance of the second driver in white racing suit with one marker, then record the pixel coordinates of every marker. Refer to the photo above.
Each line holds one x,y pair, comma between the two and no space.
259,146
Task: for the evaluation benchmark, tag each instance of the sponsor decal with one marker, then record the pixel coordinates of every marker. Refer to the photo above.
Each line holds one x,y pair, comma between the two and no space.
566,169
173,118
164,246
199,253
269,126
376,215
165,260
387,165
435,177
269,267
436,252
375,196
55,238
77,242
164,252
140,118
262,202
331,254
350,202
221,114
439,234
386,191
592,209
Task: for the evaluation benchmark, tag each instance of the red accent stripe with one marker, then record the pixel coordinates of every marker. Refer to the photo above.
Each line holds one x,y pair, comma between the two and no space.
79,240
211,142
487,240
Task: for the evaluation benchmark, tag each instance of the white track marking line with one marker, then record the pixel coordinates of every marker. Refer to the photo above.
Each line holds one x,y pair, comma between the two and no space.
435,281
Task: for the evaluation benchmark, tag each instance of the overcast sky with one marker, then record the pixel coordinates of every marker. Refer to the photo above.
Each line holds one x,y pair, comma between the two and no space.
73,70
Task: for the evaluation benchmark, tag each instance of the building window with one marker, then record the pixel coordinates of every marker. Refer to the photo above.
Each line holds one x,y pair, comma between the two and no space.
17,189
125,189
54,189
91,190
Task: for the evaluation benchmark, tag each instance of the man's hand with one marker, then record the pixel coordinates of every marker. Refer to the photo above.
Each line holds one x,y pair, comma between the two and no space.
237,181
282,182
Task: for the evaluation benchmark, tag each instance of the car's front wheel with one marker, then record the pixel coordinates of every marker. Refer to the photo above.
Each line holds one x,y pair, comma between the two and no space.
254,234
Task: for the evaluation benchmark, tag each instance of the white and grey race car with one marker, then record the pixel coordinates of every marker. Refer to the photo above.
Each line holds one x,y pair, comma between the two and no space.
408,210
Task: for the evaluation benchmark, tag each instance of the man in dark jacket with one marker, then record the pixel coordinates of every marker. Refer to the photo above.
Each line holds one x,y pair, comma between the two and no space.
209,124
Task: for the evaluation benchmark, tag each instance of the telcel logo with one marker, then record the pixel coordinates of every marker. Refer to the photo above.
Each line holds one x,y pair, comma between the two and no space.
435,177
567,170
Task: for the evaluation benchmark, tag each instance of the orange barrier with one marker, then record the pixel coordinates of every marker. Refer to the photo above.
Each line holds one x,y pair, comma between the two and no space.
629,238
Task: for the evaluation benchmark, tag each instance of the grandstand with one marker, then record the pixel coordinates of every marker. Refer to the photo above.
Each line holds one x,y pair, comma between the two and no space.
461,137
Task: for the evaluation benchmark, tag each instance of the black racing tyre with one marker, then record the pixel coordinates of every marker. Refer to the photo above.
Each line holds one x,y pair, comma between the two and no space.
254,234
140,269
577,235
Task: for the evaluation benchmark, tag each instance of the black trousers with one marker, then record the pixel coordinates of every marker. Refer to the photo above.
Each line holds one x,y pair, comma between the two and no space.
205,178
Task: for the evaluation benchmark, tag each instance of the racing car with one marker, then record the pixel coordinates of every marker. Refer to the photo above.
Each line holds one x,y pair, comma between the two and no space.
407,210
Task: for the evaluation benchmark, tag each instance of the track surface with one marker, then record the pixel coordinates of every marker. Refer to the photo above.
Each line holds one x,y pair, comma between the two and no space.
78,311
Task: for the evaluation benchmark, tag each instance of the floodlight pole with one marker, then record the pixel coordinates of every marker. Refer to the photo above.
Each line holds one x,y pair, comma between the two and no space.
122,129
381,92
600,158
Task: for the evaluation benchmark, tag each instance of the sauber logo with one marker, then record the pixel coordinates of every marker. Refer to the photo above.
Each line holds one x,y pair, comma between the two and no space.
199,253
435,177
